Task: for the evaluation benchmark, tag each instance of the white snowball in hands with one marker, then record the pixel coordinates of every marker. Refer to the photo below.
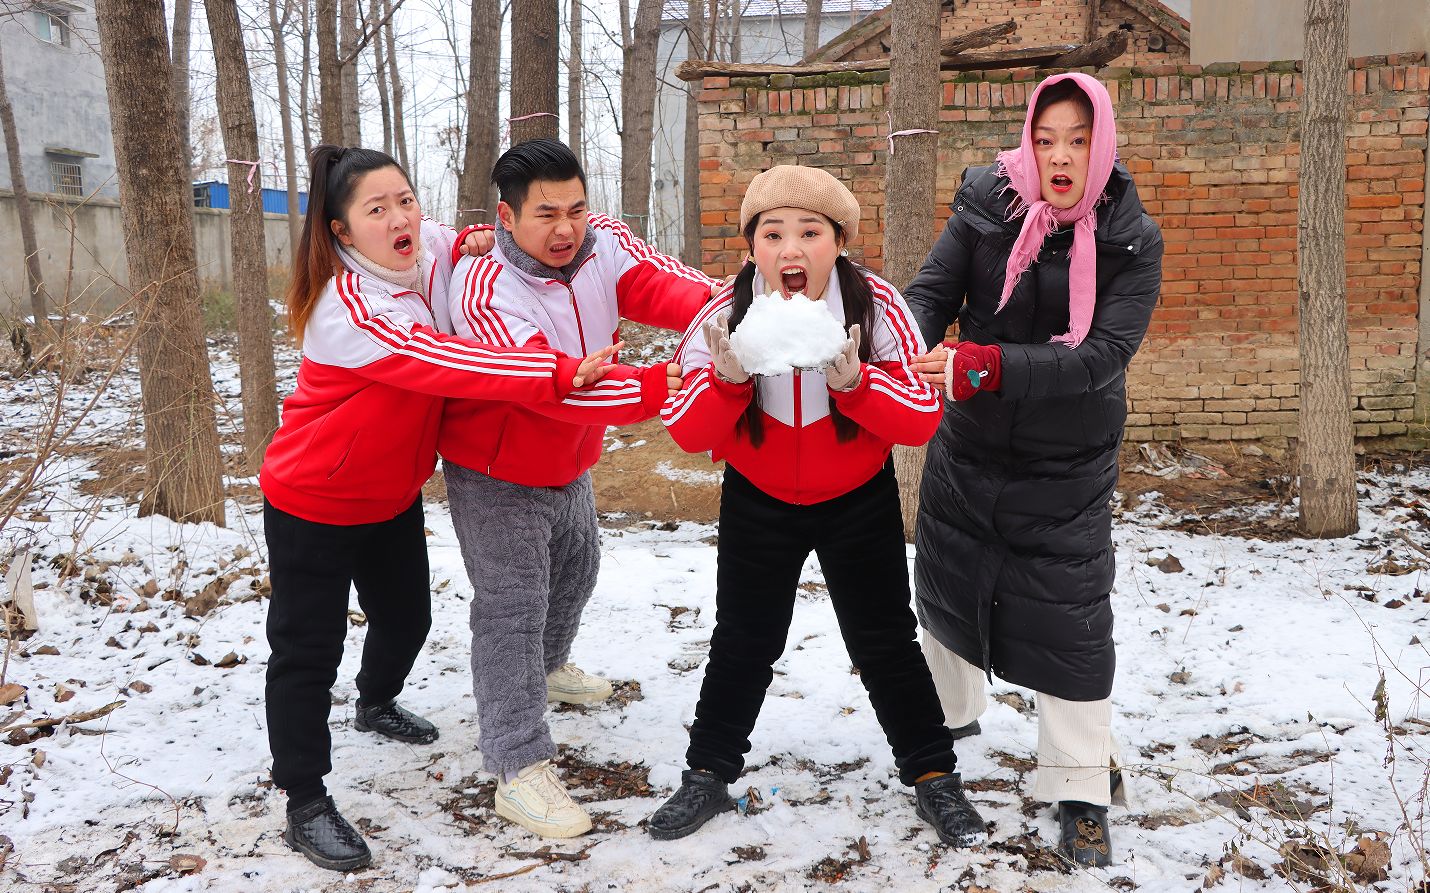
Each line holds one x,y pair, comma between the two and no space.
777,335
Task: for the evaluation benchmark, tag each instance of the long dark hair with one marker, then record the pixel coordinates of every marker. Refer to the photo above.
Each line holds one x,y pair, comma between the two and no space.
335,171
858,300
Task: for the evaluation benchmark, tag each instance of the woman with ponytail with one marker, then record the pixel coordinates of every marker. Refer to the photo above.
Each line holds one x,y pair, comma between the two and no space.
808,470
1052,269
342,479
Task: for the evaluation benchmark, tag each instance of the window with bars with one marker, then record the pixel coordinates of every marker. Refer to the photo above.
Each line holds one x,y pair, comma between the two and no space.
66,177
52,26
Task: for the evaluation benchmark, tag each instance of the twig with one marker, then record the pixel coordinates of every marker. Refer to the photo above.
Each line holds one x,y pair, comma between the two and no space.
546,859
82,716
1412,543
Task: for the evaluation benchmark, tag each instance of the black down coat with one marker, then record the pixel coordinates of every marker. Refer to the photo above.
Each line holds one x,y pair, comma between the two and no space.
1015,560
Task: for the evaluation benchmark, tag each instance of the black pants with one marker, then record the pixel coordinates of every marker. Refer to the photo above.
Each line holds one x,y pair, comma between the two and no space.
859,540
313,567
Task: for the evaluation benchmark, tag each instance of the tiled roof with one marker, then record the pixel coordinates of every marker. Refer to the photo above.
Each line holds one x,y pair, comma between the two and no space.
676,10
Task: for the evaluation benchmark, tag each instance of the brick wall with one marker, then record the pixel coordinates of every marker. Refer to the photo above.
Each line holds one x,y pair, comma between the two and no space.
1046,22
1215,154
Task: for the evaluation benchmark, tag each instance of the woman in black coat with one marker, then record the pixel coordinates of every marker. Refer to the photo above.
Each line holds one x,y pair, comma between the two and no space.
1052,269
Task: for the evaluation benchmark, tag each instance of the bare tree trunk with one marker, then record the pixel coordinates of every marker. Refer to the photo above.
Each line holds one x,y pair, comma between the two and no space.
575,105
34,280
813,14
285,112
399,117
690,250
735,10
479,154
712,42
183,28
379,61
250,268
911,175
182,462
1327,448
347,50
305,79
330,75
535,35
638,83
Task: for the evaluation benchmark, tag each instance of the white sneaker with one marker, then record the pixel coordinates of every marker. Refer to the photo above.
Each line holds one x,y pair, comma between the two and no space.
537,800
572,685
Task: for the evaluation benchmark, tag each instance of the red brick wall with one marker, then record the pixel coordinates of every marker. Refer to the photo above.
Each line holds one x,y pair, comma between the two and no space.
1045,22
1215,154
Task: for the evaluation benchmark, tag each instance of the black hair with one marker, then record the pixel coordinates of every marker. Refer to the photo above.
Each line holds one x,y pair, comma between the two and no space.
335,171
1063,91
527,162
858,299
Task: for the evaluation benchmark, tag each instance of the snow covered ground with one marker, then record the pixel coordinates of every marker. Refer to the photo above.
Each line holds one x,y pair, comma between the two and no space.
1245,707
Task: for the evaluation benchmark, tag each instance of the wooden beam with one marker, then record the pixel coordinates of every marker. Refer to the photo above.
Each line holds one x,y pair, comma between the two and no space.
974,40
1023,57
1096,54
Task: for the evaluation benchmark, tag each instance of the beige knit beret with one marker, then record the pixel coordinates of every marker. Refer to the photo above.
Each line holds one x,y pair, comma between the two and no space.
793,186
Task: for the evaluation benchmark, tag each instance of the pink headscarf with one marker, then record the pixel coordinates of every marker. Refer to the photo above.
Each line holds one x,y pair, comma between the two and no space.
1020,166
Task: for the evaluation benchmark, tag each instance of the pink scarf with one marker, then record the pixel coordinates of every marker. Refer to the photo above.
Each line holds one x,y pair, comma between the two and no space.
1020,166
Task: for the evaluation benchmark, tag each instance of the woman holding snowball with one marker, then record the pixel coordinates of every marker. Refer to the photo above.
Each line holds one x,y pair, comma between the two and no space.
1052,270
808,469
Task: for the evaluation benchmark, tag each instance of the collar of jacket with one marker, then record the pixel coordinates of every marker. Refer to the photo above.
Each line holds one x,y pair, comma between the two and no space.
535,268
370,276
985,198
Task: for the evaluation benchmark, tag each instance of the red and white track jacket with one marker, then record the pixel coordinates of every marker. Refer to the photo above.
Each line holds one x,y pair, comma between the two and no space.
800,460
550,443
358,436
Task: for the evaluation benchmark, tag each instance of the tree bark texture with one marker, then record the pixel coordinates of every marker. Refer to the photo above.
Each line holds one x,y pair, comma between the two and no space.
638,83
330,75
399,115
305,79
535,36
348,27
476,197
250,268
278,25
575,102
1326,447
911,178
691,252
182,462
34,279
183,29
379,64
813,15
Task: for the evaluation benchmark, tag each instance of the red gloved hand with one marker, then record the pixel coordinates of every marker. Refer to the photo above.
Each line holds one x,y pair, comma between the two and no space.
974,368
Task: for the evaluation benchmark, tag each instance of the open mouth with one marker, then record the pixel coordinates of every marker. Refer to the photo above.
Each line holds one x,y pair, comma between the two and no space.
402,245
1061,182
561,249
793,281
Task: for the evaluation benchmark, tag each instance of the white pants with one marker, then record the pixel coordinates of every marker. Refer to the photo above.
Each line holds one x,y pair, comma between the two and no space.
1075,746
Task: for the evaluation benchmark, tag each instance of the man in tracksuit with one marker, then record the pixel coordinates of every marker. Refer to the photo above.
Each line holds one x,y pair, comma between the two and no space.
517,474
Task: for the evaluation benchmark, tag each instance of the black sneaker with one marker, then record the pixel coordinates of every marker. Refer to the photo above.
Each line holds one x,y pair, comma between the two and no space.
319,832
941,803
1084,833
702,796
396,722
967,731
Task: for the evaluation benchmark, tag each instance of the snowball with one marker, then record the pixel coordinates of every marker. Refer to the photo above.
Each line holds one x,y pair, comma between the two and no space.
777,335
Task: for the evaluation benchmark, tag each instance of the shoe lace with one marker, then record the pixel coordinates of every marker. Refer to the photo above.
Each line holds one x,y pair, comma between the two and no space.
548,787
579,674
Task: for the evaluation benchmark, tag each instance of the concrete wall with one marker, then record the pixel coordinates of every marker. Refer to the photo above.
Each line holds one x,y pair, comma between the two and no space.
90,235
59,98
762,39
1234,30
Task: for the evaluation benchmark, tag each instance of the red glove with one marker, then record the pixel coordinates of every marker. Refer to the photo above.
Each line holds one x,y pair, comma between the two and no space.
975,367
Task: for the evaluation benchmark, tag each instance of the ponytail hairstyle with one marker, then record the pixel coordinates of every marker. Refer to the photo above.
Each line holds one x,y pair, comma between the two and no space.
335,173
858,298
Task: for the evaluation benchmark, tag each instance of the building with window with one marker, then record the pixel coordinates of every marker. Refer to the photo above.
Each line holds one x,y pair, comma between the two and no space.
56,86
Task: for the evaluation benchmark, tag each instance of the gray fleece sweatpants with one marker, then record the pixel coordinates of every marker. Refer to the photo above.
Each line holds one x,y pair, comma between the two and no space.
532,555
